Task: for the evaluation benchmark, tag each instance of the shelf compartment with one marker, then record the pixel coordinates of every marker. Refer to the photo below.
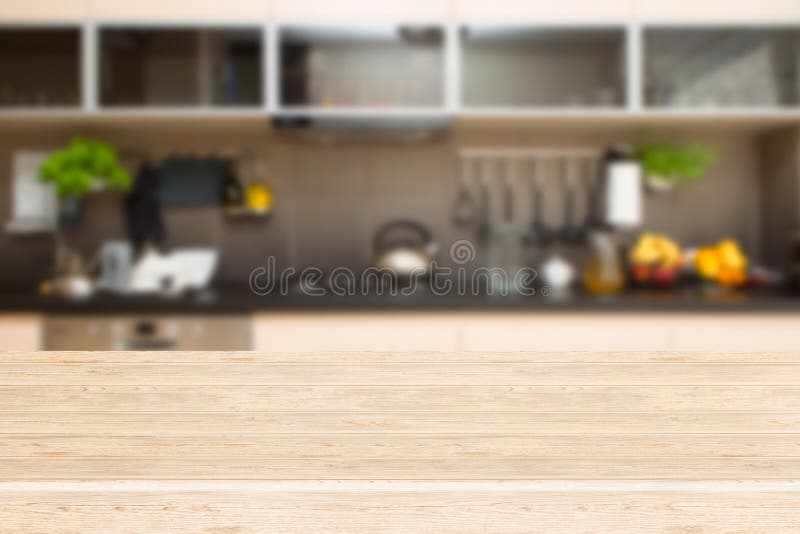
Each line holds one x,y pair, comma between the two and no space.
174,67
40,67
717,67
243,212
362,67
514,67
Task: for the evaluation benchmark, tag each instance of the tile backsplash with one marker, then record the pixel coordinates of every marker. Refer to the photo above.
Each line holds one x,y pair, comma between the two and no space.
330,198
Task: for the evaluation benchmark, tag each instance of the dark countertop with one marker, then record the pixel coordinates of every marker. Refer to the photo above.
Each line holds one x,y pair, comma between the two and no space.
231,300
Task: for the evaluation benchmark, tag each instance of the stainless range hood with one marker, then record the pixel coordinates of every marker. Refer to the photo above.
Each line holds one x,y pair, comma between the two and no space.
366,83
364,128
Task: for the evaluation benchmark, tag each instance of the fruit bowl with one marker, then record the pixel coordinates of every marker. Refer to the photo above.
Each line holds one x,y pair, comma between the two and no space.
655,276
724,264
656,262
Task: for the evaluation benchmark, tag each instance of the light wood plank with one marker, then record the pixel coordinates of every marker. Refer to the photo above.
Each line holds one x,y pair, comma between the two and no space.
535,11
393,374
401,446
742,11
385,398
349,11
45,11
596,512
363,357
20,332
417,417
424,423
200,11
431,468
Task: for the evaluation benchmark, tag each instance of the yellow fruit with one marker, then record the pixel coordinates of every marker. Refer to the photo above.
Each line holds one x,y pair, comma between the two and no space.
656,249
731,277
670,253
644,255
730,255
707,262
258,197
645,250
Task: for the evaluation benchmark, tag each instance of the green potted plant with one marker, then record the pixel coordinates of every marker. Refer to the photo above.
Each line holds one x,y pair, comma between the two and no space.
667,164
83,166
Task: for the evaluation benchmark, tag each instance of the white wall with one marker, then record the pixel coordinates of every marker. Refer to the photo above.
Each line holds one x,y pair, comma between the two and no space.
404,10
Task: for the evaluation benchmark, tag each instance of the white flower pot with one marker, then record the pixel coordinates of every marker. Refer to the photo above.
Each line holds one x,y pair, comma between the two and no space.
658,184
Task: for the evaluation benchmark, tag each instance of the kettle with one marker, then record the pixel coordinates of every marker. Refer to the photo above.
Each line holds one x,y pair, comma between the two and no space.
116,261
405,247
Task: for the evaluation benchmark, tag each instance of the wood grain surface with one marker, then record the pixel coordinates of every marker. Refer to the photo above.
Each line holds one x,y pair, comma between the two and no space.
595,512
73,418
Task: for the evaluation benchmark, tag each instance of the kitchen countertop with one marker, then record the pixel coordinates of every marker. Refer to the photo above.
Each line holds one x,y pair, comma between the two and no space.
399,442
231,299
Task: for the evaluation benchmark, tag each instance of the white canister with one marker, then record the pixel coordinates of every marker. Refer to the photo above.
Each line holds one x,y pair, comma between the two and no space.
623,193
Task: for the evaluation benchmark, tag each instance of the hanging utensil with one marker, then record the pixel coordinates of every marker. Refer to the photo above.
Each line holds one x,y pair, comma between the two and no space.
484,228
541,233
571,231
592,220
466,210
508,207
505,245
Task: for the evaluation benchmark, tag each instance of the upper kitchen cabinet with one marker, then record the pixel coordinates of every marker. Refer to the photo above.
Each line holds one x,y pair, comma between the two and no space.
538,11
44,11
175,11
717,67
721,11
542,67
180,67
40,67
369,67
359,11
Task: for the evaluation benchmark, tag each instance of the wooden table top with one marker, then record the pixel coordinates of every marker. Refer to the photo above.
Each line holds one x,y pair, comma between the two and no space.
679,419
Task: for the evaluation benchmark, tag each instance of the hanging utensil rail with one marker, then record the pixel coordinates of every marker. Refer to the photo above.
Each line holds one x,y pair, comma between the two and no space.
529,153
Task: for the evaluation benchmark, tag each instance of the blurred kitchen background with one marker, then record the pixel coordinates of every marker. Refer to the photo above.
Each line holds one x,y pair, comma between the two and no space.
643,159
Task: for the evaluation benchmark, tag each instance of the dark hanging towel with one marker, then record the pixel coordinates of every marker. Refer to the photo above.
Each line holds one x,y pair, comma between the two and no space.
143,209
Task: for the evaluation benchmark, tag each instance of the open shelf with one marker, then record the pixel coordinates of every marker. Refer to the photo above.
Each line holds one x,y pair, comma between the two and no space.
719,68
40,68
616,72
243,212
173,67
542,67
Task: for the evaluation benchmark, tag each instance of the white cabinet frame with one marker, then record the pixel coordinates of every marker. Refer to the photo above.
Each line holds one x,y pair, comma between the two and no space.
453,106
90,57
93,56
634,56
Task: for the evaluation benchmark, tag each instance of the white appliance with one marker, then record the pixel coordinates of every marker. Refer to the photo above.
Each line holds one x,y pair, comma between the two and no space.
173,273
197,265
623,194
34,207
